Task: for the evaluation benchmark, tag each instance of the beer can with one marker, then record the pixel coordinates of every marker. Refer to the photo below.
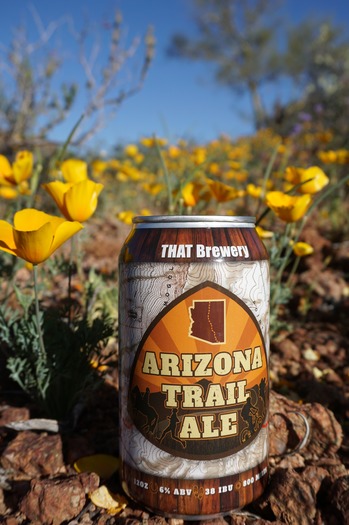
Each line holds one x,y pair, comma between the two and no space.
194,347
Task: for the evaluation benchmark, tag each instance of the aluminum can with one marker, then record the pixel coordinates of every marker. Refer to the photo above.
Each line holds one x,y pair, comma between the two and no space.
193,349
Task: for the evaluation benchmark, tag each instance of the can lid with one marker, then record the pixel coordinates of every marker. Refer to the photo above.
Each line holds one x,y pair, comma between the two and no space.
193,221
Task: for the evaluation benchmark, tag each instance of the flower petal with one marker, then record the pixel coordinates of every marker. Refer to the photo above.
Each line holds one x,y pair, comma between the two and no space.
57,189
316,180
5,167
126,216
288,208
30,219
74,170
34,246
222,192
23,166
8,192
264,234
104,465
64,231
7,242
81,200
293,174
302,248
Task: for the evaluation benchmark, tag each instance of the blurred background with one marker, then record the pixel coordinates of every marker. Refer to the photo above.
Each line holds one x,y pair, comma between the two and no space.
192,69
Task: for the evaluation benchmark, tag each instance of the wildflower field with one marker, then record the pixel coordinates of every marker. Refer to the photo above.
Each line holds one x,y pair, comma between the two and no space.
63,222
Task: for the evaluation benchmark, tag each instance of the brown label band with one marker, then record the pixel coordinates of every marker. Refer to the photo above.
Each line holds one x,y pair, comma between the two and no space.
195,497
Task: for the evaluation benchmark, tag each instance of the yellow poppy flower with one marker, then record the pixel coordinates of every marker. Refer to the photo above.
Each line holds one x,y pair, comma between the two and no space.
74,170
173,152
114,164
8,192
99,166
222,192
339,156
254,191
35,235
145,211
131,150
327,157
5,170
214,168
342,156
193,192
314,175
150,142
264,234
288,208
22,167
292,174
77,202
130,173
126,216
318,180
153,188
234,165
302,248
105,465
139,158
20,171
199,156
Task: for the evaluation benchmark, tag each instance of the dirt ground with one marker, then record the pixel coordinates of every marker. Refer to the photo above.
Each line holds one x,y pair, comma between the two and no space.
309,474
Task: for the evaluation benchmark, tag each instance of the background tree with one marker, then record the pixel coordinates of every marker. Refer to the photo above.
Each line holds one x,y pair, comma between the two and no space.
239,38
250,44
32,99
317,62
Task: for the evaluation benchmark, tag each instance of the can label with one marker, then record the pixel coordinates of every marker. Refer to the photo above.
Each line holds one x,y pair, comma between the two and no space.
198,389
194,347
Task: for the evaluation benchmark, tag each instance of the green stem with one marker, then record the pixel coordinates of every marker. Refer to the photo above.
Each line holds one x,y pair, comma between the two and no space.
265,182
75,259
285,259
261,217
70,272
292,272
37,315
60,154
167,178
78,258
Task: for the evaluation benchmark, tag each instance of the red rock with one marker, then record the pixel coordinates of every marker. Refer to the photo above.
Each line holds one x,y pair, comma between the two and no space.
11,521
287,428
9,414
34,454
340,497
288,349
326,433
54,501
291,499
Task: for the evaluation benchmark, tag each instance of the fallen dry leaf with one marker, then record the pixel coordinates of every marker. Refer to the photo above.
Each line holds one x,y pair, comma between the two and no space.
103,498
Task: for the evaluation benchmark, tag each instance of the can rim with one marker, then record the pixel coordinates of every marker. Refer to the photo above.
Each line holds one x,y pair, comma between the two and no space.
194,220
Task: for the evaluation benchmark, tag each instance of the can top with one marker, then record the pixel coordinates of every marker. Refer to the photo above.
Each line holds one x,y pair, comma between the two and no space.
193,221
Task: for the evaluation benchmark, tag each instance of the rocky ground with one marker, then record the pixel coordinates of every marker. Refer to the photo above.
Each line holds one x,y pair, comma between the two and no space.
309,409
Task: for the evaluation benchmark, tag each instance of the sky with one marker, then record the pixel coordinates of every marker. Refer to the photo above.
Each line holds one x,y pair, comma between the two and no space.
179,98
